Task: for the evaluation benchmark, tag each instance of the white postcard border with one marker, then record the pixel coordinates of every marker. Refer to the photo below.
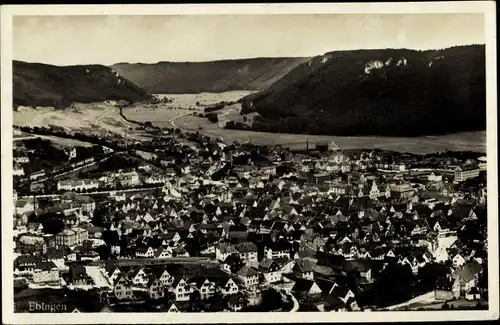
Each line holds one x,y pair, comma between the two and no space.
486,7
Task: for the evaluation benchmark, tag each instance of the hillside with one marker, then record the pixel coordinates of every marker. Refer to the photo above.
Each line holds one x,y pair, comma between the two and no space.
393,92
212,76
45,85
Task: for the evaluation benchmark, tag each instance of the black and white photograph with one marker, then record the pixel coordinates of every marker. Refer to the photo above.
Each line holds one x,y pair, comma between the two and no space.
161,161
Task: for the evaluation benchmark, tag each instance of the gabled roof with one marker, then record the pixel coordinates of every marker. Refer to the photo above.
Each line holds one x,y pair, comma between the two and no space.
303,266
469,270
302,285
246,271
27,259
45,266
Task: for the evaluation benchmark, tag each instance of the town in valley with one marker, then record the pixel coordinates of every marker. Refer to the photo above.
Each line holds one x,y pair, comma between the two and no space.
199,225
238,162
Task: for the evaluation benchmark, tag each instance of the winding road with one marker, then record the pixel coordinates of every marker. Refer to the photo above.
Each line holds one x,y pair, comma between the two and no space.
172,122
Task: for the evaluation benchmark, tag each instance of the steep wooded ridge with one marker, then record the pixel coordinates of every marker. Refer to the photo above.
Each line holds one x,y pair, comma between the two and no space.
393,92
211,76
36,84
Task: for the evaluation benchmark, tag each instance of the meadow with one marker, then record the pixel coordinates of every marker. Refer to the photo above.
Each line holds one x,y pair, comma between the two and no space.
179,115
104,117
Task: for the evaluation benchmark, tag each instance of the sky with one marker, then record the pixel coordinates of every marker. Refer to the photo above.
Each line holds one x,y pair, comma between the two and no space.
70,40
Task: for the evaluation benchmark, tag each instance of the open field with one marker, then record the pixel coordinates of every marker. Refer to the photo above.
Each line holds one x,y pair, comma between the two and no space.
474,141
104,117
63,142
101,118
177,114
183,105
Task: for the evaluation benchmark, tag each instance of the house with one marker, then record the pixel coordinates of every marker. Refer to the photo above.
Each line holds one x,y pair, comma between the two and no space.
286,265
205,287
465,278
23,206
138,276
227,286
155,288
77,184
303,269
170,308
243,171
473,294
277,249
267,167
86,203
466,172
333,304
46,273
79,276
247,251
123,288
67,237
222,251
129,179
361,268
37,188
236,302
458,260
163,275
306,289
181,289
112,272
343,293
25,264
162,253
35,227
145,251
81,235
270,269
249,276
29,243
38,174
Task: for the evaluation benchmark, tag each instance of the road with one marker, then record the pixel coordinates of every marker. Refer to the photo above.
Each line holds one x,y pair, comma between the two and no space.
425,298
172,121
295,304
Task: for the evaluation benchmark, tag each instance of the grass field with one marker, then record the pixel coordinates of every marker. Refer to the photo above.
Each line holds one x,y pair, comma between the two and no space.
104,117
474,141
177,114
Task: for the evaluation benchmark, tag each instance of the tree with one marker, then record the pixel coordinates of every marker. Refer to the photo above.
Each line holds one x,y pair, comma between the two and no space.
52,226
100,217
393,285
104,252
429,274
212,117
237,265
271,300
110,237
148,124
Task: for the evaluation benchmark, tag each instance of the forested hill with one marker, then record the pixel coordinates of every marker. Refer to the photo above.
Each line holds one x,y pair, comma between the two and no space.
36,84
395,92
212,76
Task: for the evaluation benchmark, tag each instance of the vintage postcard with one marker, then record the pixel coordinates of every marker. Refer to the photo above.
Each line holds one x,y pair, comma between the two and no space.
252,162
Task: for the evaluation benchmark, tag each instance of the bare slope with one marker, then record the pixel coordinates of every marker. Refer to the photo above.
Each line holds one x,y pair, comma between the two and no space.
395,92
38,84
212,76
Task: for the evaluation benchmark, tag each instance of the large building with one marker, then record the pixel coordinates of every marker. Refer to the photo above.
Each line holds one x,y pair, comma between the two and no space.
401,190
71,237
466,172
